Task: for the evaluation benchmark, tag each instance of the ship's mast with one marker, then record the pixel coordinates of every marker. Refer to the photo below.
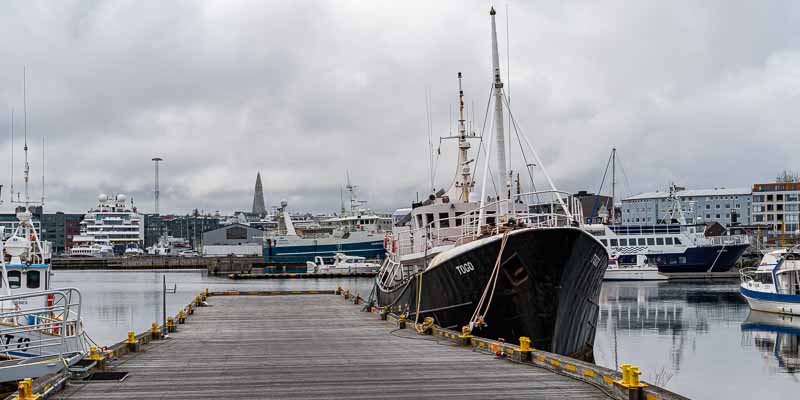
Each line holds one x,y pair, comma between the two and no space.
613,181
463,148
25,114
502,175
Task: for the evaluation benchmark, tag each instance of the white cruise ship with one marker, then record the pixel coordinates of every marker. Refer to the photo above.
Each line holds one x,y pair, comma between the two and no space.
113,223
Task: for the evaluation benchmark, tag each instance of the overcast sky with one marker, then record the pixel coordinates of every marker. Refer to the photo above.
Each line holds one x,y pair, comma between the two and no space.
701,93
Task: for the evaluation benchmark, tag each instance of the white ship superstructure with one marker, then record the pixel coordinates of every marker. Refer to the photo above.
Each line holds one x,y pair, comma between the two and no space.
113,222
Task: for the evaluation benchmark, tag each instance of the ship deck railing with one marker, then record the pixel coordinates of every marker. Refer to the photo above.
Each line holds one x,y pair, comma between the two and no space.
51,329
433,237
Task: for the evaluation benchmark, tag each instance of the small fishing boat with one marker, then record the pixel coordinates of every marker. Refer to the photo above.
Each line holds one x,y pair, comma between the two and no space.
342,263
774,286
641,270
41,328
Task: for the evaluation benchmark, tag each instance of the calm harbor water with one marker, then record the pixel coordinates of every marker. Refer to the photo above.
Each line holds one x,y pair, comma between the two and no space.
696,338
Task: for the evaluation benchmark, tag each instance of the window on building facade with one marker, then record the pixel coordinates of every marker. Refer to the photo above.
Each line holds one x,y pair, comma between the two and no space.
717,216
236,233
769,197
778,197
717,206
708,216
708,206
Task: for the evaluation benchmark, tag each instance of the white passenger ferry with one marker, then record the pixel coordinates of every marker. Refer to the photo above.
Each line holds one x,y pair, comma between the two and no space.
114,222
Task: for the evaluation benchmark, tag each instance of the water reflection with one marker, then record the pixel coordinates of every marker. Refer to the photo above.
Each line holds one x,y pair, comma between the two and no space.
776,336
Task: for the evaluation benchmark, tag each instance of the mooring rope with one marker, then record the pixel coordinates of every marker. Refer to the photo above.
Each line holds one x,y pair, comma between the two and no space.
478,317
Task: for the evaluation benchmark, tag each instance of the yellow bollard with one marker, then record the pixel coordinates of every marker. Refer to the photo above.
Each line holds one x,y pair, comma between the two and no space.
347,294
155,330
633,374
338,290
170,324
190,310
131,338
524,343
95,355
401,321
626,374
25,389
181,316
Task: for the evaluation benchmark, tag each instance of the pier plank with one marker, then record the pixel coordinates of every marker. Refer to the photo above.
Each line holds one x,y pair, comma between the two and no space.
316,346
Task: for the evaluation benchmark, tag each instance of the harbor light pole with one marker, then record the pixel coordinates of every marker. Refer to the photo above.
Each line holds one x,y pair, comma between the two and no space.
156,160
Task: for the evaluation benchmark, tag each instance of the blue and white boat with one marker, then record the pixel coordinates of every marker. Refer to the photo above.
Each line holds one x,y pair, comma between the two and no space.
774,286
356,232
673,246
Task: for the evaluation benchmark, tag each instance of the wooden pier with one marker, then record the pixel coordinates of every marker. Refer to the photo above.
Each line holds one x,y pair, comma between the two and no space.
256,345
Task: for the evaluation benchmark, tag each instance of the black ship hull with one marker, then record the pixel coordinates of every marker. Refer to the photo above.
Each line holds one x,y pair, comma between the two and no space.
547,288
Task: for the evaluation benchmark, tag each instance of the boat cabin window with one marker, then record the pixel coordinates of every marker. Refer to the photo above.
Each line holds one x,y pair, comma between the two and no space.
613,242
623,242
444,220
660,241
14,279
668,240
419,220
490,221
641,241
763,278
33,280
651,242
459,219
677,241
428,219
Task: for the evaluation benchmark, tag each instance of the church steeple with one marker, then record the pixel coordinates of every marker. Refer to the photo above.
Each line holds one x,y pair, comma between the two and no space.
258,198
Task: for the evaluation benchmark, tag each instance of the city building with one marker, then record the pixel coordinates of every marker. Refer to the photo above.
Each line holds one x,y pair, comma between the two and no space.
233,239
776,207
189,227
59,229
725,206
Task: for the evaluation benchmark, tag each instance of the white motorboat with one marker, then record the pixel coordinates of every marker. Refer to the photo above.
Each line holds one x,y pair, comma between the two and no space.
641,270
342,264
774,286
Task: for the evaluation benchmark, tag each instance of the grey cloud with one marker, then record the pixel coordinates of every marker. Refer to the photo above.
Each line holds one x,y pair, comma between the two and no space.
304,91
